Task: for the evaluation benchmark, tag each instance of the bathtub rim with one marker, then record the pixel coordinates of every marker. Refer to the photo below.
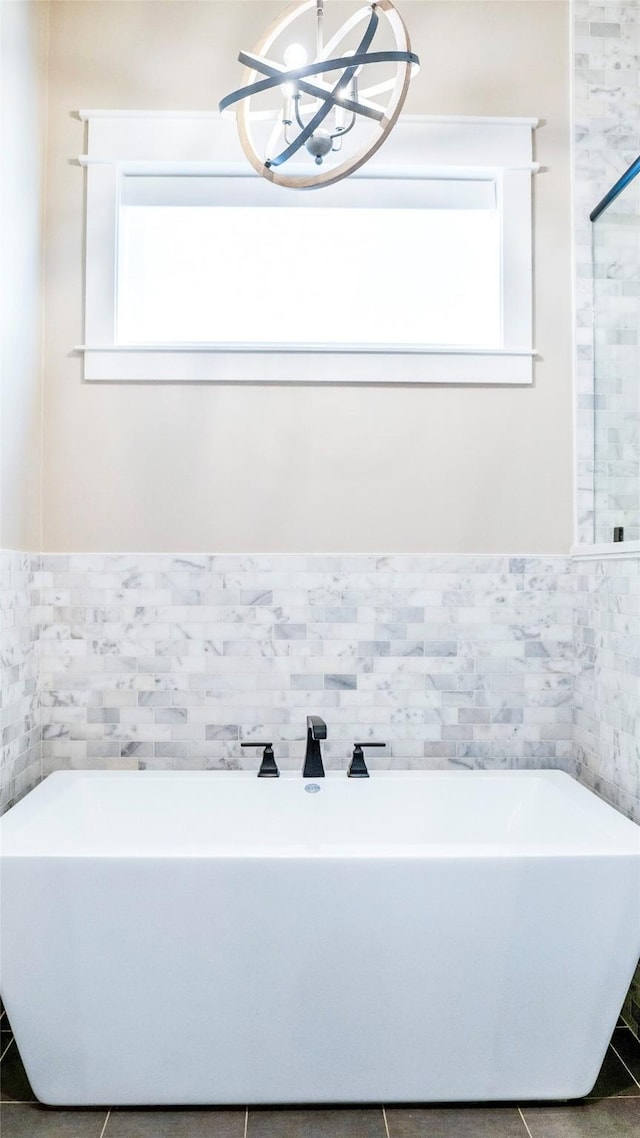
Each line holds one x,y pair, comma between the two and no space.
612,834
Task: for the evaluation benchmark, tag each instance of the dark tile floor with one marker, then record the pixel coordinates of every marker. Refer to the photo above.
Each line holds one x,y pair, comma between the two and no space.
612,1110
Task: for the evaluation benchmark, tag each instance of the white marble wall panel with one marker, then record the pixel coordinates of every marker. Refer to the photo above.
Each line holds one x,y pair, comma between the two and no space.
617,359
607,687
607,140
20,762
170,662
607,693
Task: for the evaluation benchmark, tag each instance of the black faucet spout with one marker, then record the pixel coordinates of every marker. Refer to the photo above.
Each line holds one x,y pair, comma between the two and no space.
316,730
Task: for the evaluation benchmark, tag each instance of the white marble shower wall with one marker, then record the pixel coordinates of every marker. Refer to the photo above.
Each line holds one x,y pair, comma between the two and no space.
607,686
21,756
606,141
607,694
616,367
170,662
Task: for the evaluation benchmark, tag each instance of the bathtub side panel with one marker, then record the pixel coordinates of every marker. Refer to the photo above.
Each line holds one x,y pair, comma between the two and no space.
157,981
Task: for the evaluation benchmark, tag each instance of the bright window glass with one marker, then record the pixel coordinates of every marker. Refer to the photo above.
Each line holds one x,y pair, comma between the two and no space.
259,275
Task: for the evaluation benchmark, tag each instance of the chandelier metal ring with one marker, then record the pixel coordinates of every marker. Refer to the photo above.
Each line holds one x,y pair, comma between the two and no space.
343,96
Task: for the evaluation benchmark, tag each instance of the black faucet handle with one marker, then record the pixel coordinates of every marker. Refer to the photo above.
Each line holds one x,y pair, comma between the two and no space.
357,766
317,727
268,768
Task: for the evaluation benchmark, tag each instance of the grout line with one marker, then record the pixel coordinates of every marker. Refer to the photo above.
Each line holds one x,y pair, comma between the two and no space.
17,1102
6,1049
586,1099
624,1065
246,1122
524,1122
105,1123
386,1124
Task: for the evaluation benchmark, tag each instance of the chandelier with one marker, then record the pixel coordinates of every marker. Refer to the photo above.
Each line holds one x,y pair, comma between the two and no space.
328,105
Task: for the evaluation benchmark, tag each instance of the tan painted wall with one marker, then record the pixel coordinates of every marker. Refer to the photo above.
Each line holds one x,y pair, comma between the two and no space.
23,41
370,469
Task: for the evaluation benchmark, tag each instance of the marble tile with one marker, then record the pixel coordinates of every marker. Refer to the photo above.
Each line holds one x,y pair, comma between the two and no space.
606,696
606,140
20,723
374,642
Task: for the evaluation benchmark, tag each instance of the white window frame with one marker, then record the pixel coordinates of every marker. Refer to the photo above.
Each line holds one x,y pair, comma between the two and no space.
173,143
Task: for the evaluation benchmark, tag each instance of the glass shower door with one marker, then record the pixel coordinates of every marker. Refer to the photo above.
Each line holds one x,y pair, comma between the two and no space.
616,260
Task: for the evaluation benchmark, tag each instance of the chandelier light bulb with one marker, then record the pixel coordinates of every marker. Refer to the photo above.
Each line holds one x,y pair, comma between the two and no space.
295,55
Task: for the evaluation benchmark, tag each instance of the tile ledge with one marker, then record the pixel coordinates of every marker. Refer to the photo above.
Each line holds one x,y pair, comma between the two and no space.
613,550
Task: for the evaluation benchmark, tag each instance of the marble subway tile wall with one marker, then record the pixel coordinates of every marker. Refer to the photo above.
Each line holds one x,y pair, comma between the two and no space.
606,141
607,686
617,360
607,694
170,662
21,759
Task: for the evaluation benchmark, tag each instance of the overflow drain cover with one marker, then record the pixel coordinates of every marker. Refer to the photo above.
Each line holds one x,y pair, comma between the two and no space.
312,788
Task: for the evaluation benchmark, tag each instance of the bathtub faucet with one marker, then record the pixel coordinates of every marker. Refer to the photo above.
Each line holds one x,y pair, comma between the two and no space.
316,730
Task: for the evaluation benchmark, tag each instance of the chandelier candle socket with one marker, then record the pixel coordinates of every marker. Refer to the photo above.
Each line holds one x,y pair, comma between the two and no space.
323,99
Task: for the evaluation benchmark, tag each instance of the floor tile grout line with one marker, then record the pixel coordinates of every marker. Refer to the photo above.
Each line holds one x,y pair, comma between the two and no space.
105,1123
524,1122
246,1121
6,1049
18,1102
624,1064
386,1124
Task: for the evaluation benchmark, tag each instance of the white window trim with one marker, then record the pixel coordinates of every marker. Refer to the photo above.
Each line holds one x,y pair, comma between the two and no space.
182,143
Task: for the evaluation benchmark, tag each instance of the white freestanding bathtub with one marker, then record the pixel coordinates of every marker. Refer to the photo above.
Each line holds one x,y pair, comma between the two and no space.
211,938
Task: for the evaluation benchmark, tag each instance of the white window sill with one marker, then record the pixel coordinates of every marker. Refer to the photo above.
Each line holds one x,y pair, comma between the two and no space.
322,363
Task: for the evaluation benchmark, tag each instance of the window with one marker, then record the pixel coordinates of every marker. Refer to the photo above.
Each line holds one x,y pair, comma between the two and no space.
405,272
